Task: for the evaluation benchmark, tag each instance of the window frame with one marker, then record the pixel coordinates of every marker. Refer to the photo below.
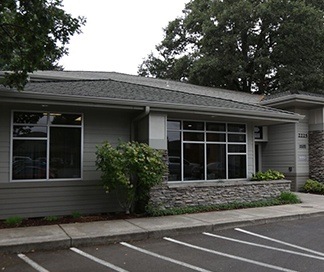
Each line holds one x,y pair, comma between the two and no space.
48,125
205,143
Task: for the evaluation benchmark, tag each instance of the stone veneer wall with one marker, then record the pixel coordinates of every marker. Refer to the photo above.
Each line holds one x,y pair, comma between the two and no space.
203,194
316,155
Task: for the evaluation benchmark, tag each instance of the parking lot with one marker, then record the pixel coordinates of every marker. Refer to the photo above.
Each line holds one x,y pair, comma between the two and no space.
287,246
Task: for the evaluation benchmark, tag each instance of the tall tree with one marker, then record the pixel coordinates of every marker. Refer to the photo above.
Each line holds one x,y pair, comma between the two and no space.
246,45
34,35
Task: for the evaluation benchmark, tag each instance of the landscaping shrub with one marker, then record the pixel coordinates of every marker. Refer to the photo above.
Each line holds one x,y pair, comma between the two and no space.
288,198
51,218
131,169
14,221
76,215
268,175
314,187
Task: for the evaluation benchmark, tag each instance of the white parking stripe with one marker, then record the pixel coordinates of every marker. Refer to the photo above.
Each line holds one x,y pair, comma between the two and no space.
97,260
280,242
165,258
34,265
264,246
278,268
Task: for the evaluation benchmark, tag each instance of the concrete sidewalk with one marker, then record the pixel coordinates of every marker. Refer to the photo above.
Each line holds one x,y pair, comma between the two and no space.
82,234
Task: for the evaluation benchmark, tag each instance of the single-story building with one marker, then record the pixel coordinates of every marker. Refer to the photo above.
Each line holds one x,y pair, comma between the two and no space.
49,133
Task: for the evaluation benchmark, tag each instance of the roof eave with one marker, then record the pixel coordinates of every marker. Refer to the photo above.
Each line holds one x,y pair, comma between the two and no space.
301,98
52,99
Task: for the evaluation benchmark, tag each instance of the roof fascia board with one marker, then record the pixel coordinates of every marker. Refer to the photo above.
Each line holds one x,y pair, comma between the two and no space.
293,98
235,115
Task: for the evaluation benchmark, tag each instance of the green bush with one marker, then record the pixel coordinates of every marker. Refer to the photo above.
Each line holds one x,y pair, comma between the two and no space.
131,169
76,215
14,221
268,175
288,198
314,187
51,218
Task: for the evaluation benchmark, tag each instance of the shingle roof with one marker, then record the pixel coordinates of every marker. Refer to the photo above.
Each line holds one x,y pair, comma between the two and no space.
153,82
144,95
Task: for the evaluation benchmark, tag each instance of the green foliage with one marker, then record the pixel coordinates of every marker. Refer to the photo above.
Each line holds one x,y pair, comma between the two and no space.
131,169
314,187
14,221
76,215
244,45
284,198
288,198
34,35
267,175
51,218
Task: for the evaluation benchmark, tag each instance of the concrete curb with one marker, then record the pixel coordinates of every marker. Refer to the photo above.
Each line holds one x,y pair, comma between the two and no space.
108,232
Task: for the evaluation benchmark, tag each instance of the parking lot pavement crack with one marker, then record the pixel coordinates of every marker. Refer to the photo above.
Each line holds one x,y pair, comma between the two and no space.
136,225
71,240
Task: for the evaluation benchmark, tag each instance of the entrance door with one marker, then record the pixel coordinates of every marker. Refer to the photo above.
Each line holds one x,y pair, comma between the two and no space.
257,158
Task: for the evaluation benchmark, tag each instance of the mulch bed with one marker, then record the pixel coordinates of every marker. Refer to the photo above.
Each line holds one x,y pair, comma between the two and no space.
31,222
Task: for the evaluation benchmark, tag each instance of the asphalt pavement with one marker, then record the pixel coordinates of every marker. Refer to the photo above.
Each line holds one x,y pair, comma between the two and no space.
62,236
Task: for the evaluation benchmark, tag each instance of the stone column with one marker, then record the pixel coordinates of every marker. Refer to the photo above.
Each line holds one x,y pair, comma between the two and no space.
316,155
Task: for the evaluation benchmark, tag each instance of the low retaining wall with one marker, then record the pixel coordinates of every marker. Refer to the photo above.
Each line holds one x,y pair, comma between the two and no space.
204,194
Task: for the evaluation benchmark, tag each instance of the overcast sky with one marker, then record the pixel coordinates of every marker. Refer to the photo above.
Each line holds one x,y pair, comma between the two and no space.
118,33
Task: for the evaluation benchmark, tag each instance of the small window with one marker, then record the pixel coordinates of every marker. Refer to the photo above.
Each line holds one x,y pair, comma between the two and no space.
193,125
216,127
236,128
216,137
192,136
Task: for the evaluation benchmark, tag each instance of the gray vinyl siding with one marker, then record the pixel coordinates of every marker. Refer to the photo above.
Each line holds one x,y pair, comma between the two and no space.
4,143
42,198
250,150
101,126
302,154
38,199
279,152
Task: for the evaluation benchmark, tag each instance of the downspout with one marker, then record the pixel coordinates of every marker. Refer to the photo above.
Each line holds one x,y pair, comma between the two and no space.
136,119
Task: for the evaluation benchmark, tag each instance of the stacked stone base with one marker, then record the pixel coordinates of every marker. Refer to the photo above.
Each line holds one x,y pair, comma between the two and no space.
316,155
204,194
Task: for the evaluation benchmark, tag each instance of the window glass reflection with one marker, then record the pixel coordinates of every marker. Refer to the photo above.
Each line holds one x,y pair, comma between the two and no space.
174,125
174,155
193,125
216,161
29,131
216,127
65,119
65,152
236,148
237,138
29,159
193,162
236,166
30,118
236,128
192,136
216,137
208,151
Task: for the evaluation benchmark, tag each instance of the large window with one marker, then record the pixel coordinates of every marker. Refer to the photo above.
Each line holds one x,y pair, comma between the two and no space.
46,146
206,150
